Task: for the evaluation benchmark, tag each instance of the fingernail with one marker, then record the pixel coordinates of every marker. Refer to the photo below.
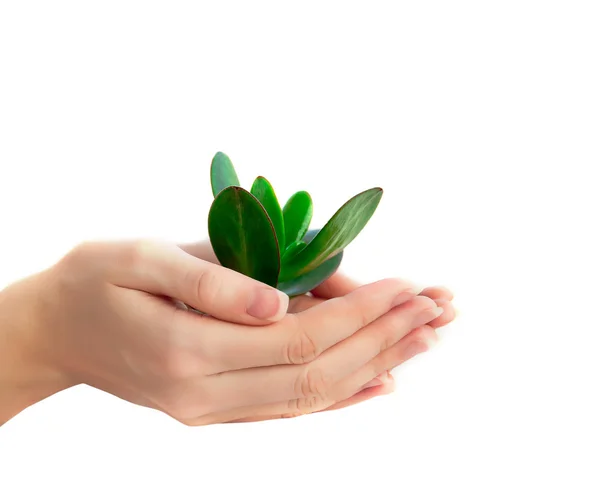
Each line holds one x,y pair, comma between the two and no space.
437,311
373,383
406,295
431,314
385,377
379,380
268,304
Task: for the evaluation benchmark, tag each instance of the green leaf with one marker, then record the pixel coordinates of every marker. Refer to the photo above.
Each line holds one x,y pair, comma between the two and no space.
293,249
222,173
297,214
312,279
263,191
339,231
242,235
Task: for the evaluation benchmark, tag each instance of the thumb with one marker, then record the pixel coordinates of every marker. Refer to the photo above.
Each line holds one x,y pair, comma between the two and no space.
202,250
165,269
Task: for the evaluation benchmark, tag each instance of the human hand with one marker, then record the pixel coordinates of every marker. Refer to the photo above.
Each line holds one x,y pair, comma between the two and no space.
416,342
54,323
104,317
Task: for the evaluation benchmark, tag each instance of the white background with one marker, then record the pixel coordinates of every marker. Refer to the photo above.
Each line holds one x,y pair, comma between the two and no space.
481,122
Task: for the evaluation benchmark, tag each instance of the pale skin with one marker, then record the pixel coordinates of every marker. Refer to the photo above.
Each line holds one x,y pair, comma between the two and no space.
112,315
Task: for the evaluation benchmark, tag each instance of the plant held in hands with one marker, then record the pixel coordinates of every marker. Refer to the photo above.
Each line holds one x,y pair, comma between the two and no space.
251,234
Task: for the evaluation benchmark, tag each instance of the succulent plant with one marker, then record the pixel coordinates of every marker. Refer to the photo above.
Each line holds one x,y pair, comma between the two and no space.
252,234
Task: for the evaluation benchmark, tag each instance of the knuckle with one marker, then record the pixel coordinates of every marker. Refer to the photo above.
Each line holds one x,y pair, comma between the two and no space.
138,253
314,382
302,348
303,406
206,287
76,267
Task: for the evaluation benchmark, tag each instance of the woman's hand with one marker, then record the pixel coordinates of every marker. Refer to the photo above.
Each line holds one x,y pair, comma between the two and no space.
414,343
105,316
55,325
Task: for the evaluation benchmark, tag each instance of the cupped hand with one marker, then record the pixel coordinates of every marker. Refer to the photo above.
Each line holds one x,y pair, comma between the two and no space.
103,315
415,342
106,317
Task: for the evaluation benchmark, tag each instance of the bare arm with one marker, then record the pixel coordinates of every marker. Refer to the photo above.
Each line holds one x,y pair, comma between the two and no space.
25,377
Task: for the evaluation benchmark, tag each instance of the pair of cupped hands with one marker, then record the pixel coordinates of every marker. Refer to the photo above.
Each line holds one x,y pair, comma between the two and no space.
119,316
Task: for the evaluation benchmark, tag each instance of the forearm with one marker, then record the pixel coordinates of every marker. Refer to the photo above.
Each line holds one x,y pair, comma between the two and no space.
25,378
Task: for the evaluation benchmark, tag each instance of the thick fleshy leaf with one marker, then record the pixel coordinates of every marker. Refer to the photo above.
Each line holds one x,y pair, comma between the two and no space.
339,231
263,191
297,214
293,249
242,235
312,279
222,173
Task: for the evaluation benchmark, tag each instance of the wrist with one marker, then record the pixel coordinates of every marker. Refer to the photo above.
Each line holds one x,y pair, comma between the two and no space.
27,374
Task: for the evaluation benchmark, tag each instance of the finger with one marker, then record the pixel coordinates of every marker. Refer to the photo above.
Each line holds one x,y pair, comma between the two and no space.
447,317
365,394
350,391
383,384
377,381
354,388
202,250
337,285
283,410
296,339
417,342
309,384
164,269
302,303
340,285
438,293
386,386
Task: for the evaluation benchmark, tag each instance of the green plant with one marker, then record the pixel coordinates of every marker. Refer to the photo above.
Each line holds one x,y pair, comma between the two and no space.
252,234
